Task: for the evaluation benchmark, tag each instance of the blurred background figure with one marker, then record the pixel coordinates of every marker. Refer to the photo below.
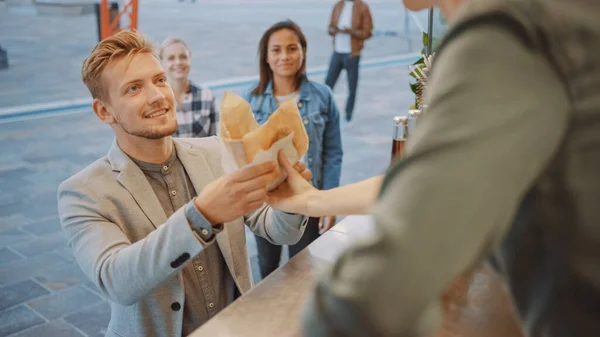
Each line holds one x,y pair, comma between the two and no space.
503,167
3,59
350,25
197,114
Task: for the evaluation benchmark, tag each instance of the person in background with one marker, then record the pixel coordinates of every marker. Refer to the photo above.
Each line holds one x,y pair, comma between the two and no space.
503,166
350,25
197,113
282,67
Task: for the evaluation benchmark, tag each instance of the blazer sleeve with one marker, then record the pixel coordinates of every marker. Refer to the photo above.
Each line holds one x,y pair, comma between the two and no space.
123,271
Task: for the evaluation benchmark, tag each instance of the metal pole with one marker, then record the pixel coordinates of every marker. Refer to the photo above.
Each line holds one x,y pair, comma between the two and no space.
430,32
133,16
105,30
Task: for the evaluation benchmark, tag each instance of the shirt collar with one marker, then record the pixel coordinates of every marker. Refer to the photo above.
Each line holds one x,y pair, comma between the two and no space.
150,167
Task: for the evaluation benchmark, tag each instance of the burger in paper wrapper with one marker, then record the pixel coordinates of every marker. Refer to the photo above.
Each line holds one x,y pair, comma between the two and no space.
250,143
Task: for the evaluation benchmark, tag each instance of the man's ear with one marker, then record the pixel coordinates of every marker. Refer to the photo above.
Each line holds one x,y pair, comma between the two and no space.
101,110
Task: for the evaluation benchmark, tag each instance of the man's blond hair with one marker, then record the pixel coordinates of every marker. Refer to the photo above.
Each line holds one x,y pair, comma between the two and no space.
170,41
116,47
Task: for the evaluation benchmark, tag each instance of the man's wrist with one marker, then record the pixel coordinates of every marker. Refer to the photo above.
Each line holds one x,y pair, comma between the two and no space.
200,224
202,209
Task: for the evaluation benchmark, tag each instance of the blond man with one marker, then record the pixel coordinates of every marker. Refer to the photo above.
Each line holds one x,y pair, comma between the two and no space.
157,224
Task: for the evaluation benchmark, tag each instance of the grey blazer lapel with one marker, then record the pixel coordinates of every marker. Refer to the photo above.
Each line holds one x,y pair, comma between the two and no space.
235,240
232,239
234,253
196,166
133,179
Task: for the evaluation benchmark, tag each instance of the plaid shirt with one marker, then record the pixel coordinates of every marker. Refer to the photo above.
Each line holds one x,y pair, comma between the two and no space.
198,115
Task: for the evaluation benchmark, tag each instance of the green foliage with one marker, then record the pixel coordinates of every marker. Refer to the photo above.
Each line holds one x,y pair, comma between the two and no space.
425,39
414,87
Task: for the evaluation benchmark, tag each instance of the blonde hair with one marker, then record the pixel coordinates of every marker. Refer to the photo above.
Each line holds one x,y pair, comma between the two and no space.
121,45
170,41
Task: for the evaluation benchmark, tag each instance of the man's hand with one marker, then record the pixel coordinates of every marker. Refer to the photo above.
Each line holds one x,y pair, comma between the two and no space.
236,194
326,222
292,196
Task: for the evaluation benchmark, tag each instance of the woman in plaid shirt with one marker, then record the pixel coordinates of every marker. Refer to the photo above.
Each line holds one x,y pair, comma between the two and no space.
197,114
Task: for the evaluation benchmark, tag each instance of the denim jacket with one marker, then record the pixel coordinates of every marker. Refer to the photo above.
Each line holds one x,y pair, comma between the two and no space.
320,116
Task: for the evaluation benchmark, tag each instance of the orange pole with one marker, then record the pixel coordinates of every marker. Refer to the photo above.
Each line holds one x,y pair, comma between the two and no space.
105,30
134,14
110,23
115,26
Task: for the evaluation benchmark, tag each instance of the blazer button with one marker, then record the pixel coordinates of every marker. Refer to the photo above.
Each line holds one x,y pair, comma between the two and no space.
175,306
299,104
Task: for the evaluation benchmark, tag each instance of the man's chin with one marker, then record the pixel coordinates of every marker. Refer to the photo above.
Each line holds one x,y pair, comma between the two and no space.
157,133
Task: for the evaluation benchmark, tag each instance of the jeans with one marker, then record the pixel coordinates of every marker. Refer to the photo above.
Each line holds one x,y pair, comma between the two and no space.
339,62
269,255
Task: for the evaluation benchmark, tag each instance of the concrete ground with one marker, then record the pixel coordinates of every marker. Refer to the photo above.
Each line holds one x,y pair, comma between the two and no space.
42,290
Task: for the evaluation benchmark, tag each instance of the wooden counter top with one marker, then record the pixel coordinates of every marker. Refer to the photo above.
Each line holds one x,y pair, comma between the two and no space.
273,307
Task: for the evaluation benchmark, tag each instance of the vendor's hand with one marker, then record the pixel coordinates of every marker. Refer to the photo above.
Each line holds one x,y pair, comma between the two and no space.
236,194
326,222
293,194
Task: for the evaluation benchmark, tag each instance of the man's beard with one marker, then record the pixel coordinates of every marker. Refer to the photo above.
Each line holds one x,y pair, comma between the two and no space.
152,132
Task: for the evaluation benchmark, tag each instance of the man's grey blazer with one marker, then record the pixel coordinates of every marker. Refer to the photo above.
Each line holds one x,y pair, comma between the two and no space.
133,253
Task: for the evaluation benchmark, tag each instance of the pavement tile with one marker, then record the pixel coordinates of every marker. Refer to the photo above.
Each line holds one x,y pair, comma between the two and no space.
62,277
64,302
43,227
14,235
55,328
18,293
42,245
17,319
21,270
7,255
93,320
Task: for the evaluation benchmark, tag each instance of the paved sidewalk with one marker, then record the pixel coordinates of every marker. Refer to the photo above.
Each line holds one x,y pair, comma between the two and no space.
45,53
42,290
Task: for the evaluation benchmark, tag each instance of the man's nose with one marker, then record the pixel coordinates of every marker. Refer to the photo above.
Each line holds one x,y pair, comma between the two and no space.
155,95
